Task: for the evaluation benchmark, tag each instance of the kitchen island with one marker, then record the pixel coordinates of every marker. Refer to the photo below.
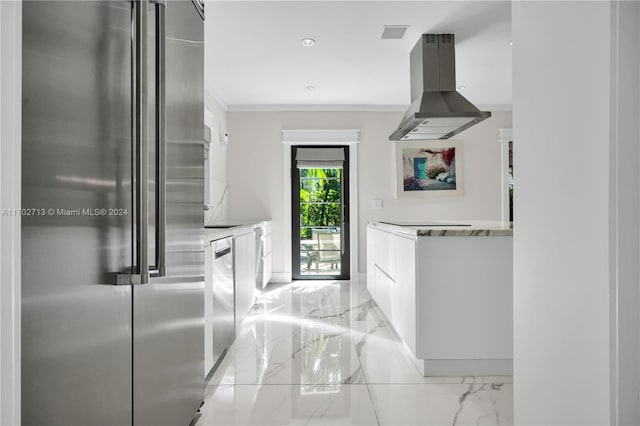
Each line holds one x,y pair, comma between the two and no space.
447,288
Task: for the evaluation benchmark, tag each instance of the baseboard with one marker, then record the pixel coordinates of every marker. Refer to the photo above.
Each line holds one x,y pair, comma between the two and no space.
280,277
285,277
465,367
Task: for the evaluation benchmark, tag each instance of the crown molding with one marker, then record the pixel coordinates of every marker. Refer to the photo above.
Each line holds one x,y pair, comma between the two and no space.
342,108
317,108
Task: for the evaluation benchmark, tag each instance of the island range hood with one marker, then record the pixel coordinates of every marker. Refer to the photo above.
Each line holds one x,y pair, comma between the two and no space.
437,110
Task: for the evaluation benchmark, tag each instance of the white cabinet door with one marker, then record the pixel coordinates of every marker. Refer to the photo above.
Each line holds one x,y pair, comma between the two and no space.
384,288
244,275
251,268
385,257
403,296
267,243
239,272
372,251
381,256
266,256
391,280
267,271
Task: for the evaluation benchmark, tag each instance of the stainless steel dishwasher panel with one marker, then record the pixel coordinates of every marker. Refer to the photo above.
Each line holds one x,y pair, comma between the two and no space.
223,297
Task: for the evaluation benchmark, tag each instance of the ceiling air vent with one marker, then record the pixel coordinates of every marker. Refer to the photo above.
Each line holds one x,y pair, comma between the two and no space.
430,38
394,31
446,38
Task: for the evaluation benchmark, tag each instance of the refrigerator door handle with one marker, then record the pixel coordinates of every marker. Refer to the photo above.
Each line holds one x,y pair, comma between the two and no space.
142,152
161,146
140,272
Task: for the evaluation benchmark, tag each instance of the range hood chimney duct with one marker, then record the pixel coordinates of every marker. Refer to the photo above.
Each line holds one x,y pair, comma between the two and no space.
437,110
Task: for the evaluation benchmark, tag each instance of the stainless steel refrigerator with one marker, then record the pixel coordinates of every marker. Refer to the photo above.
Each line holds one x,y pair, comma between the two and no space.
112,250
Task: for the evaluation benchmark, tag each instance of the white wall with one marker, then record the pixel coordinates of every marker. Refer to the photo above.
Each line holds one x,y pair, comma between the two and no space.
10,151
256,170
576,209
216,119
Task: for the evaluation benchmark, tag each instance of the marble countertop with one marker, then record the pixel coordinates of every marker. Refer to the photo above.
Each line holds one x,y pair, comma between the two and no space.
463,228
230,228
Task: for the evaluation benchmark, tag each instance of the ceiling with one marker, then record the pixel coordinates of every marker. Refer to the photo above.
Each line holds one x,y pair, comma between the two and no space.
254,57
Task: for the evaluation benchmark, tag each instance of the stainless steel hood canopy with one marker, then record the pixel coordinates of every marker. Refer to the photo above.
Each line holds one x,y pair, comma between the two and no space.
437,111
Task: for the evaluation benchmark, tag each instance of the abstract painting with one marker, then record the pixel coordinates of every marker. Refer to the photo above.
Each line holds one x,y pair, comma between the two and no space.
428,169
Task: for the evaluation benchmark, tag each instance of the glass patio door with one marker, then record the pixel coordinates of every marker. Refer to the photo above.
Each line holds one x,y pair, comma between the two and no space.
320,213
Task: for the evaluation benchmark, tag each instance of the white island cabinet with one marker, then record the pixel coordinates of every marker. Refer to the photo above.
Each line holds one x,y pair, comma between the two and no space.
448,292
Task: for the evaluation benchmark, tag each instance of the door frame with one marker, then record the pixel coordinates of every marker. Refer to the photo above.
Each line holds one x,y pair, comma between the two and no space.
345,191
506,136
348,138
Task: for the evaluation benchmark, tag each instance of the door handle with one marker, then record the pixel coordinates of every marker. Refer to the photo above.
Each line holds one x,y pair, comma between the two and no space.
140,271
141,147
161,146
223,252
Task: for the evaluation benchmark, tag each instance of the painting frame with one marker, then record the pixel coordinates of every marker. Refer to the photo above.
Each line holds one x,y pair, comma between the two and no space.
449,183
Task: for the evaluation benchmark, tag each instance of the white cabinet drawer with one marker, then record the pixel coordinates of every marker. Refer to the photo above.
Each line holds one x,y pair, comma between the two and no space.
244,253
371,275
383,254
266,244
384,289
403,302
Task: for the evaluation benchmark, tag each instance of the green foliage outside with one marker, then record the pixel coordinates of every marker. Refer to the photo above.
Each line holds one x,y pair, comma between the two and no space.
319,186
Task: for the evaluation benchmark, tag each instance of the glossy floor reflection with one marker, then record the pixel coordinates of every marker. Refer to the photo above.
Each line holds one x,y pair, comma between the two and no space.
321,353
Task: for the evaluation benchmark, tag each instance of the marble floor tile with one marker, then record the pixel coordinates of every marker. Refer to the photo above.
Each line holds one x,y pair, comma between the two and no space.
443,404
288,405
296,334
377,344
306,352
322,352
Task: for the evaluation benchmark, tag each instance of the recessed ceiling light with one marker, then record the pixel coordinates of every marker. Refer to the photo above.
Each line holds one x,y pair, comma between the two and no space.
510,42
310,88
462,87
308,42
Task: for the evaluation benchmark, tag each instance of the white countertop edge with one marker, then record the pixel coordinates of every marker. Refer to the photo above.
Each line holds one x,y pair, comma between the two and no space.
244,227
477,229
